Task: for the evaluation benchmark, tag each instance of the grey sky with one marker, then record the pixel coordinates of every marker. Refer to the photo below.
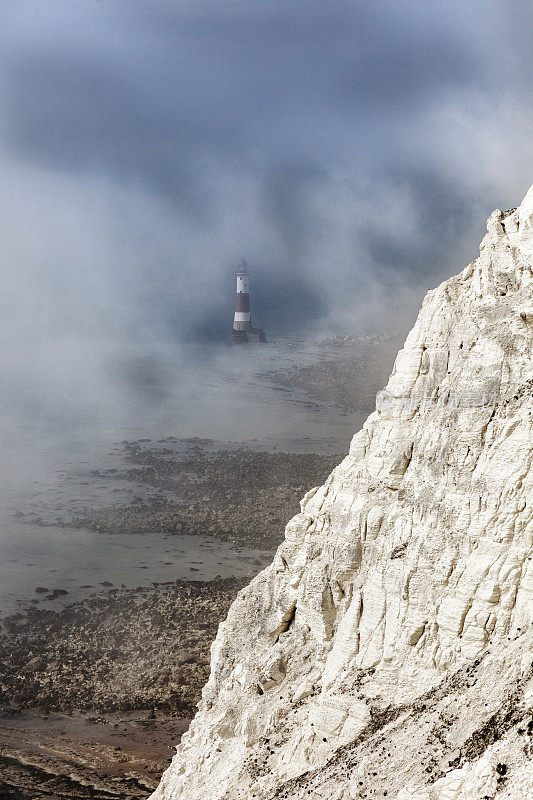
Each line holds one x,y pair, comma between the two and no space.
349,150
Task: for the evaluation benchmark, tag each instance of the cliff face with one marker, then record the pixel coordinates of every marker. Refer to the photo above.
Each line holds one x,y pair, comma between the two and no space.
387,650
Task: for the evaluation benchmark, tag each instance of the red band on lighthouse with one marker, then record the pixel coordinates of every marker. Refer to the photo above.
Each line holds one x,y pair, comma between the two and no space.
243,302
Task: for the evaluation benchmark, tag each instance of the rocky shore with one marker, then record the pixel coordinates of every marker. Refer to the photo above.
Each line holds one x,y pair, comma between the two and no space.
243,496
146,648
348,372
93,697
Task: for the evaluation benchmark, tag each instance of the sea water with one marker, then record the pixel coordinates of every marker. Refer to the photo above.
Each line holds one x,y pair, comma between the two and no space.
48,469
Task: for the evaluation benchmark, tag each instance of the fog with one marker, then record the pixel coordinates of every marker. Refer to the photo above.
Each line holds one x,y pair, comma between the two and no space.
349,151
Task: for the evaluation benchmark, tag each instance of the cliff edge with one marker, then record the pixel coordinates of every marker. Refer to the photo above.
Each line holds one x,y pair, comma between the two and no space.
387,650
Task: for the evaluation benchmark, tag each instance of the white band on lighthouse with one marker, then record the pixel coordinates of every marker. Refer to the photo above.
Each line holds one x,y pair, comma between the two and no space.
243,283
242,316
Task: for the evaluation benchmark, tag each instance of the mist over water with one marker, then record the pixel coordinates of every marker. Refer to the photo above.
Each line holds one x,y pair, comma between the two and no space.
207,390
210,391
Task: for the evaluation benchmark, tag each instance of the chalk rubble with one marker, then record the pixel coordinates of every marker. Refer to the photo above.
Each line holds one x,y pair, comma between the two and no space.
387,650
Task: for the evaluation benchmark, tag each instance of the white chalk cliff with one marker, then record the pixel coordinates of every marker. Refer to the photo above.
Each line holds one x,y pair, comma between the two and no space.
387,651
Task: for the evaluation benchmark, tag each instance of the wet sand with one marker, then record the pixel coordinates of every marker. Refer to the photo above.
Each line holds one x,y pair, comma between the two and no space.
44,756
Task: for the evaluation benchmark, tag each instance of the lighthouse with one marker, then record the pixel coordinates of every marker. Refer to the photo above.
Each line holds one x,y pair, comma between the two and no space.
243,330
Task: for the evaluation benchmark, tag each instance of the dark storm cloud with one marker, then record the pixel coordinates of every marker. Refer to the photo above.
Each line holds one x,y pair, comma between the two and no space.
76,115
442,216
222,80
287,188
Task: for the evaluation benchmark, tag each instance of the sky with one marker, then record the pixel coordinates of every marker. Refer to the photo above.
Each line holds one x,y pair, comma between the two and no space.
350,151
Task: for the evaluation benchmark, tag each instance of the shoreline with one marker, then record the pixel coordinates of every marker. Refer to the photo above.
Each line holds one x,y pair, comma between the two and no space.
99,693
170,509
96,693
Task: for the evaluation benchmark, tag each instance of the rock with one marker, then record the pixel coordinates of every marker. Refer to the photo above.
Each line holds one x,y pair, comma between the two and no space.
387,648
109,653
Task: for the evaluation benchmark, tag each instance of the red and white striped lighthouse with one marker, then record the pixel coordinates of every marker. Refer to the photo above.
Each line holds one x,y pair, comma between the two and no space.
243,319
243,331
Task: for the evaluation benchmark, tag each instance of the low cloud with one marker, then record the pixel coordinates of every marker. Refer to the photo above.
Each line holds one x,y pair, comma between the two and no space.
350,152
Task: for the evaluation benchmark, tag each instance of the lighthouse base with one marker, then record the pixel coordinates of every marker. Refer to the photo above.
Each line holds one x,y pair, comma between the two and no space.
252,335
